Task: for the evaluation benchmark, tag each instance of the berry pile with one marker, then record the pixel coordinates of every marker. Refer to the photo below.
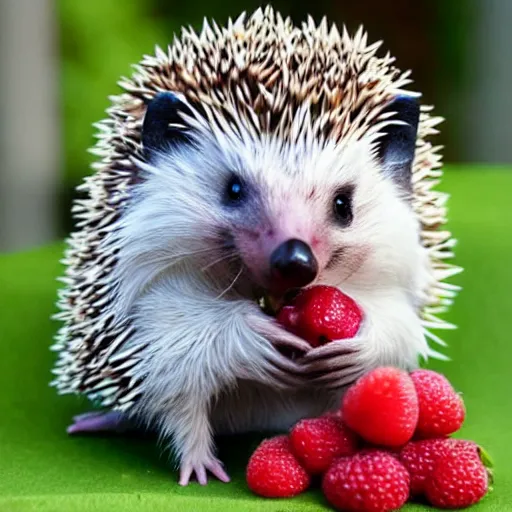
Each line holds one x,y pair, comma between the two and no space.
389,444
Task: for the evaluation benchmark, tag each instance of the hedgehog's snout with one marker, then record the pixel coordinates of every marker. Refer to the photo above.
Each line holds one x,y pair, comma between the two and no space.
293,264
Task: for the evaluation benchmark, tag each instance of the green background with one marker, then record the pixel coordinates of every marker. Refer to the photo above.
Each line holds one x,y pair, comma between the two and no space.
43,469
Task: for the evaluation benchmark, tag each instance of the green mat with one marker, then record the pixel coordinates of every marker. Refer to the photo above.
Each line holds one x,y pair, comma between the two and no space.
43,469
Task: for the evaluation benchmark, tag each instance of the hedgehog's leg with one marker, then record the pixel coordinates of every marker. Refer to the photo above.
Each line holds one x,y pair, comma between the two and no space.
192,436
112,421
201,346
199,459
252,358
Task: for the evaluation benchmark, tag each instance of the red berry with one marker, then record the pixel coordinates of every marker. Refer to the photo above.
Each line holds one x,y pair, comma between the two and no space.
419,458
382,407
288,316
459,479
442,410
317,442
374,482
274,472
320,314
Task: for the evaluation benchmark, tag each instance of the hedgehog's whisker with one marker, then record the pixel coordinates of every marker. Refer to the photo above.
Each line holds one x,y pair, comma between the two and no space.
346,278
229,255
232,282
176,259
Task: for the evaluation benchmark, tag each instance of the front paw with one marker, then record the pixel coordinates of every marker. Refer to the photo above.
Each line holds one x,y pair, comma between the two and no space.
280,338
336,364
276,351
198,466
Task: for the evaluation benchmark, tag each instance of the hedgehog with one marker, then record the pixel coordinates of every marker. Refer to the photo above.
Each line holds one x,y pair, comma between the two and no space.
238,166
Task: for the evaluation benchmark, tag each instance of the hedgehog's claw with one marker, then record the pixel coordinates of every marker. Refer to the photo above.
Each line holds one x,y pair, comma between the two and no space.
334,365
112,421
339,379
213,466
347,349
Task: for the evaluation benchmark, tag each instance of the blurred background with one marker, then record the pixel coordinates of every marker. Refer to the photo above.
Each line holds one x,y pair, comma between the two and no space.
61,59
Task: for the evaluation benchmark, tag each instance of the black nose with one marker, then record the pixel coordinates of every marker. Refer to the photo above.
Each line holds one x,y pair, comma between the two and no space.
294,264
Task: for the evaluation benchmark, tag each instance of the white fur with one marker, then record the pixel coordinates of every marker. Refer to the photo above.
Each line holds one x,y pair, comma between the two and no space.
211,364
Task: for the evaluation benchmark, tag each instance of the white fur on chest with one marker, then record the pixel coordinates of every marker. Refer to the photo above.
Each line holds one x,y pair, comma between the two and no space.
253,407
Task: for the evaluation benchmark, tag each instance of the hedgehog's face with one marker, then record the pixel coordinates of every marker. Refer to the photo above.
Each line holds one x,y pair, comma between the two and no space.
289,212
303,212
297,217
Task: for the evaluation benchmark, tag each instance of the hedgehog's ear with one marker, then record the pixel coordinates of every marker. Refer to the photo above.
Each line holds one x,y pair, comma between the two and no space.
397,147
163,126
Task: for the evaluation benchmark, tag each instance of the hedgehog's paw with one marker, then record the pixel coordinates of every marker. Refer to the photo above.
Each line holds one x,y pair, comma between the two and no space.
112,421
211,464
335,365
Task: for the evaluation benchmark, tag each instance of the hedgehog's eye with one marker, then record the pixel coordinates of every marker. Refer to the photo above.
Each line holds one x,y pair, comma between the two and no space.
234,190
343,208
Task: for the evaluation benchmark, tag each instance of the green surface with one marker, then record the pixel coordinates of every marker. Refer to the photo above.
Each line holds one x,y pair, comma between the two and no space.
43,469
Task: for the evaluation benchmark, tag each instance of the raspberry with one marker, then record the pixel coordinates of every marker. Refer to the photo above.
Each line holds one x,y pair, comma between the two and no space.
274,472
320,314
317,442
373,482
382,407
419,457
442,410
458,479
